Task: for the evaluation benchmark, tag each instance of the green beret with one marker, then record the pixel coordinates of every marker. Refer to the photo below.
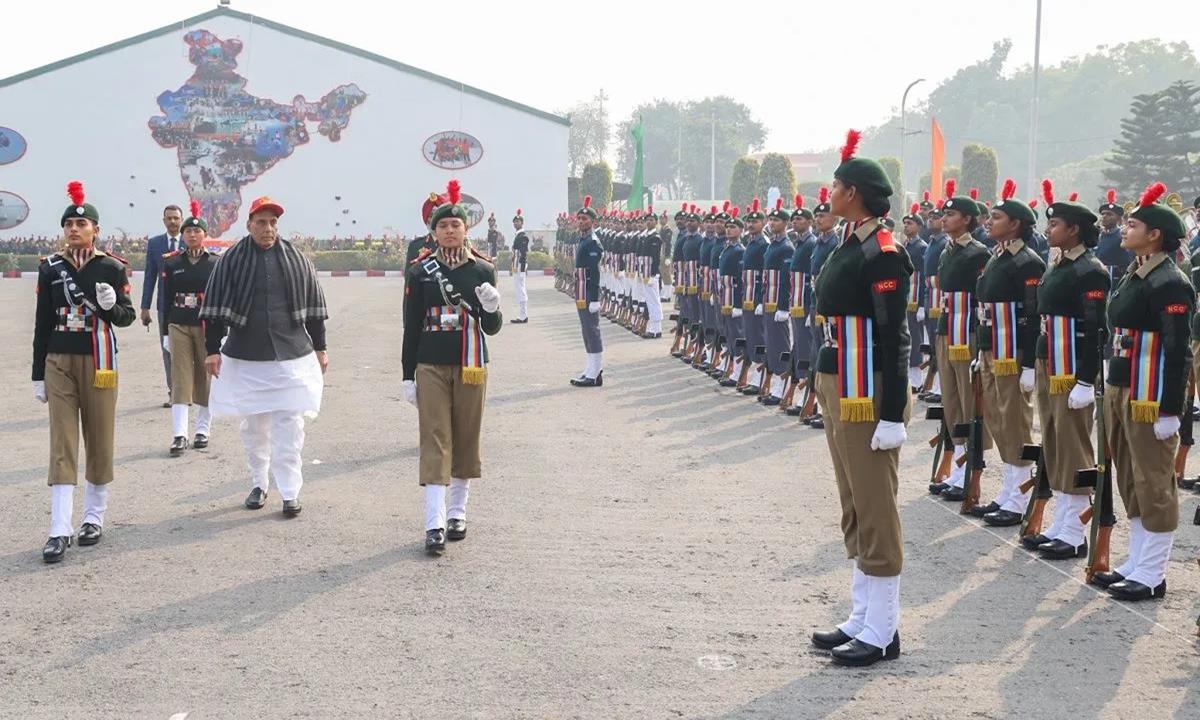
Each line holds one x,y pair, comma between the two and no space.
866,175
802,213
195,222
86,210
1016,210
1075,213
1163,218
451,207
962,204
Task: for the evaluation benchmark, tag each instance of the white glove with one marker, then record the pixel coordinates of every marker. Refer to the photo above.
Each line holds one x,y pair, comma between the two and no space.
975,363
410,391
167,343
758,309
106,297
489,297
39,390
594,307
1081,396
1166,426
737,312
920,314
888,435
782,316
1027,380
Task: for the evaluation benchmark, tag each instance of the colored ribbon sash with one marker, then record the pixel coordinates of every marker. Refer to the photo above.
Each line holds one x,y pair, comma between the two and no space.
771,293
799,283
856,369
581,288
705,288
913,291
1004,337
692,286
935,301
749,279
1060,353
104,354
1145,375
474,349
676,272
726,295
958,325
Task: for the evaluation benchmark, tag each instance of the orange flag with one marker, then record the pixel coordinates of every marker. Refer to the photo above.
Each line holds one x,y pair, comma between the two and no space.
938,161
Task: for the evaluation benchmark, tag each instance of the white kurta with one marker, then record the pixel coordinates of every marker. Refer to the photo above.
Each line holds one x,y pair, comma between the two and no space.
249,387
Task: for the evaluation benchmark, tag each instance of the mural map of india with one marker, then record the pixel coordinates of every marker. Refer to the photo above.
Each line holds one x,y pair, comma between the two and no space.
225,137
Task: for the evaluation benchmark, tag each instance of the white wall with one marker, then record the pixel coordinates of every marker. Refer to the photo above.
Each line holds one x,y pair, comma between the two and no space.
88,121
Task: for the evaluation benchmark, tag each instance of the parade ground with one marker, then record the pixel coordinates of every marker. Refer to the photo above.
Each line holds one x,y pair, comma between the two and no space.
656,548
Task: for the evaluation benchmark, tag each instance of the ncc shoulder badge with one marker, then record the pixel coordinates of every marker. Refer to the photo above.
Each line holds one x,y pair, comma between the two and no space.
885,286
1176,309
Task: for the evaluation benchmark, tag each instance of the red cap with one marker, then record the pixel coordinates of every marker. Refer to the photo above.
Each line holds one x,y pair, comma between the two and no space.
266,203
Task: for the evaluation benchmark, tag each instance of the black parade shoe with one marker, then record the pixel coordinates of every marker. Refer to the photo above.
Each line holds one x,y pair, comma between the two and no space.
954,494
456,529
256,499
1132,591
1105,579
771,401
1032,542
1059,550
597,381
435,541
794,411
817,423
980,510
829,639
55,548
292,508
200,442
178,445
857,653
937,488
1003,518
89,534
933,398
728,382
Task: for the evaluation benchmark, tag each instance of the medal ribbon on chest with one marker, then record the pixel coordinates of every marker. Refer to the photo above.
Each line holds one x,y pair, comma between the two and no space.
1004,337
913,291
1145,375
1060,353
856,368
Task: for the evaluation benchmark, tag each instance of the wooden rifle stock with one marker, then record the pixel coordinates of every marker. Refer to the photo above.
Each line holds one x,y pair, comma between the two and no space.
1031,523
975,451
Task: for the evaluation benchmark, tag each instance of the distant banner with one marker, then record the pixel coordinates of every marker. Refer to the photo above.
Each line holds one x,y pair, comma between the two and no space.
13,210
12,146
452,150
937,161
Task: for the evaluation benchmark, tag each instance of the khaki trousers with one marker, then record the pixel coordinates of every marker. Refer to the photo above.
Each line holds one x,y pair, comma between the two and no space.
450,414
1067,444
1007,410
867,482
73,401
1144,465
956,392
189,379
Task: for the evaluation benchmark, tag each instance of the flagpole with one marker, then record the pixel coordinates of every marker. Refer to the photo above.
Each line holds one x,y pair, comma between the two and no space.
1033,114
712,167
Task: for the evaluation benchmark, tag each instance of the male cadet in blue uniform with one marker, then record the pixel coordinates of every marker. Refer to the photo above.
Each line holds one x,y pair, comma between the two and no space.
1108,249
926,207
156,248
587,296
691,270
752,281
826,241
931,310
777,279
730,283
708,317
677,282
714,279
915,246
800,303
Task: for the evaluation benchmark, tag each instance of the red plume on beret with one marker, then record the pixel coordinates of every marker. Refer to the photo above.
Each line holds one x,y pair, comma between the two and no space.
195,206
940,204
1152,194
925,195
1009,189
75,191
712,210
1073,197
453,192
974,193
799,201
1048,192
725,206
683,207
587,202
693,209
851,146
1033,203
823,196
951,186
915,207
518,212
1111,196
754,205
778,204
734,212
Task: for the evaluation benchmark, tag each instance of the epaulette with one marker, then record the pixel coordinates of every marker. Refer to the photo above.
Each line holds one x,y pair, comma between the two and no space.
1160,277
425,252
173,253
118,258
480,255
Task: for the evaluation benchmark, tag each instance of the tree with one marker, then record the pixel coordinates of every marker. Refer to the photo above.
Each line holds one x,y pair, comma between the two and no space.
744,181
1085,176
597,182
891,166
776,172
950,171
1154,141
980,170
587,139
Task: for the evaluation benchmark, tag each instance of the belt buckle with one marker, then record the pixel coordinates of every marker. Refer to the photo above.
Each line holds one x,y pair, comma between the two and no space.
448,320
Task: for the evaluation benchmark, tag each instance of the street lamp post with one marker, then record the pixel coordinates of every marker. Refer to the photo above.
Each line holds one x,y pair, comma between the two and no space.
904,124
1033,110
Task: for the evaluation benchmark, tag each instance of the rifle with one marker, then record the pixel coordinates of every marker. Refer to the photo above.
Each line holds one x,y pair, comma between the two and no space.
789,395
724,359
1031,523
760,360
1187,437
929,366
679,321
703,349
785,357
943,453
973,432
739,347
1099,478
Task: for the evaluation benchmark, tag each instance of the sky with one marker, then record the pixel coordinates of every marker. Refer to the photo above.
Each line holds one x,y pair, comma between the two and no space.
804,73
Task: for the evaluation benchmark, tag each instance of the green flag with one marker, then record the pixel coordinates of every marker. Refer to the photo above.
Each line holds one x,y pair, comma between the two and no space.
636,191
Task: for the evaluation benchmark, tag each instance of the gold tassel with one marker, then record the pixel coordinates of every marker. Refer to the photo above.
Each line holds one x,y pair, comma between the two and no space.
818,319
748,305
580,304
912,307
1001,368
1144,411
960,353
770,307
935,312
474,375
727,310
706,295
857,409
798,312
105,379
1060,384
693,289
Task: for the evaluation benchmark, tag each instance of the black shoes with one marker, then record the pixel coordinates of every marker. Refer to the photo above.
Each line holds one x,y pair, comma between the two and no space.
749,390
291,508
55,548
89,534
456,529
933,398
771,401
981,510
597,381
954,494
167,404
652,336
938,488
857,653
728,382
200,442
1032,542
794,411
829,639
178,445
1133,591
1059,550
256,499
435,541
516,321
1003,518
816,423
1105,579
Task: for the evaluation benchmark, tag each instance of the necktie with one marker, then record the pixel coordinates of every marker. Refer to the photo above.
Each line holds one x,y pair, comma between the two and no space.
174,245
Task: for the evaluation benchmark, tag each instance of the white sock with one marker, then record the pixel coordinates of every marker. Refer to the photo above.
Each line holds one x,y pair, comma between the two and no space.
435,507
958,473
62,502
456,498
777,388
179,420
95,502
1018,501
914,377
203,420
737,369
937,383
1137,538
1061,507
1151,568
883,611
1005,479
1073,531
599,362
858,603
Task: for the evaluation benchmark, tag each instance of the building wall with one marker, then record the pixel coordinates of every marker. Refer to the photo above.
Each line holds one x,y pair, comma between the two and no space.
89,121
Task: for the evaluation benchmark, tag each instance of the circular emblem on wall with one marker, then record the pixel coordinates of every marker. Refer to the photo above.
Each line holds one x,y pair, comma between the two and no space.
452,150
13,210
474,210
12,146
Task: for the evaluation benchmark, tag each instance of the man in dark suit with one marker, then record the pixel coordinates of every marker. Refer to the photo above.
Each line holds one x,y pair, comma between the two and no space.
156,247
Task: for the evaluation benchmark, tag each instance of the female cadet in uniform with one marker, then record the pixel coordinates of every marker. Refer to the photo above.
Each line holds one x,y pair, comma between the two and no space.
958,270
451,303
1148,313
1070,300
1007,339
862,382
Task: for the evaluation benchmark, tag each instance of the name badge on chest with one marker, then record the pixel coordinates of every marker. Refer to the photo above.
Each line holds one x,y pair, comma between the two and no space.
76,322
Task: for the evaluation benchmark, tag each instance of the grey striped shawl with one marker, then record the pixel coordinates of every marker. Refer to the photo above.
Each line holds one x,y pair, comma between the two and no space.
231,285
